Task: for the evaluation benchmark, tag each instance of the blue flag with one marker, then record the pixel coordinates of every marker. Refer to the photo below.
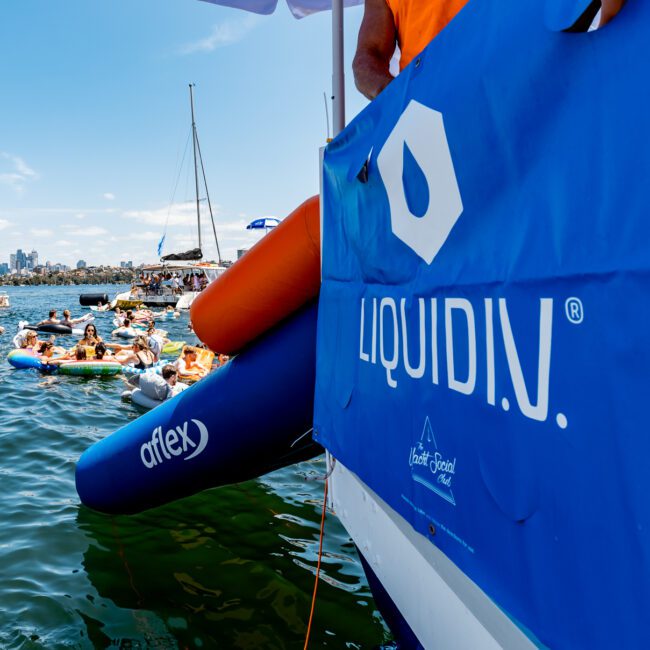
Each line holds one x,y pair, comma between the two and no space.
161,243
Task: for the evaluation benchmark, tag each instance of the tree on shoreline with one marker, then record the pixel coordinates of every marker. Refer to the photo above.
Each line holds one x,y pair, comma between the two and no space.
98,275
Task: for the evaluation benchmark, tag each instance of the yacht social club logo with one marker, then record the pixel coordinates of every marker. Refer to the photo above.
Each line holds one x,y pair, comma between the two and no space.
430,467
417,150
176,442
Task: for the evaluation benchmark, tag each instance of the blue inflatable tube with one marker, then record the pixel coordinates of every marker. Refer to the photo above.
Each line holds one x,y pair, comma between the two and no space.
22,359
242,421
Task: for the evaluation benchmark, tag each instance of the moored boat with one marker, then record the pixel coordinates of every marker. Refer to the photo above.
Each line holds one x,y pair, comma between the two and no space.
179,277
169,284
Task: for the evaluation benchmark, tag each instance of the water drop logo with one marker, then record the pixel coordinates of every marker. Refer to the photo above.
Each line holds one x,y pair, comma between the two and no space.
418,173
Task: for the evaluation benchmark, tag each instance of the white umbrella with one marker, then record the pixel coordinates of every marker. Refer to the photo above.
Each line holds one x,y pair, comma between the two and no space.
265,223
300,9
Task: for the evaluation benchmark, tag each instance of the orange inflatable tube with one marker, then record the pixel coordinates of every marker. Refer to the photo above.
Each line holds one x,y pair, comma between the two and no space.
272,280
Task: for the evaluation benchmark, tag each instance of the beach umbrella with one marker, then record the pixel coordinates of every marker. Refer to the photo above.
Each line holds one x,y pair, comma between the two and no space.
265,222
300,9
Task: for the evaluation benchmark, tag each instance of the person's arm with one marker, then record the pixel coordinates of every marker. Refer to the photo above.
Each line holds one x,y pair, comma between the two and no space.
375,48
609,9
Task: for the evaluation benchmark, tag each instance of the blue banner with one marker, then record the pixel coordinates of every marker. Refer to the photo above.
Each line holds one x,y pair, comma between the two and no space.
484,320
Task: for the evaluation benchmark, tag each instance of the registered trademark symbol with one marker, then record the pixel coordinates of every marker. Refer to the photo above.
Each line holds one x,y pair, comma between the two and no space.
574,310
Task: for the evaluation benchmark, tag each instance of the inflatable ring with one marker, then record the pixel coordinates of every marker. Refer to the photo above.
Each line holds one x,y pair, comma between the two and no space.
22,359
125,334
157,368
51,328
90,368
173,347
139,398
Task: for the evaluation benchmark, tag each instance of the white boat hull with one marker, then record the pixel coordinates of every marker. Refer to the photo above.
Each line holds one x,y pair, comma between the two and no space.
442,606
183,301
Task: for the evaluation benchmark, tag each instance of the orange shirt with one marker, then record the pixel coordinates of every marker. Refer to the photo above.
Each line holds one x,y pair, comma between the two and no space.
418,22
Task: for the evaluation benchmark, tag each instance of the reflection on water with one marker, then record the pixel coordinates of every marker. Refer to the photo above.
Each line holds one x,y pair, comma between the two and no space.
228,568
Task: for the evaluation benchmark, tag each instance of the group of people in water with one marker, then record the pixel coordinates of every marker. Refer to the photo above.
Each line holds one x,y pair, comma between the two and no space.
66,321
175,282
141,353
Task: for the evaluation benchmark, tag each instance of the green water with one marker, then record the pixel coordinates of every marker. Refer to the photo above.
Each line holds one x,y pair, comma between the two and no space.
228,568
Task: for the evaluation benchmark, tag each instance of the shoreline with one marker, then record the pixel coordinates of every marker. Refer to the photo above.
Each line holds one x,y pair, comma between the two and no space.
68,278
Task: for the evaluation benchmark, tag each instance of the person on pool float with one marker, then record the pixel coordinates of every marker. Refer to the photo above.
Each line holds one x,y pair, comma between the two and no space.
170,375
78,353
139,315
90,336
71,322
51,354
125,328
52,320
155,341
188,367
46,352
101,352
139,356
30,341
411,25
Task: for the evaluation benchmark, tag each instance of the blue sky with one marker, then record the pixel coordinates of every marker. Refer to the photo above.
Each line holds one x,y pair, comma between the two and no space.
94,118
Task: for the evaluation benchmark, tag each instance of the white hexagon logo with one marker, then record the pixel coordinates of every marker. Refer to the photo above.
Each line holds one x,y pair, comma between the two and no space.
421,131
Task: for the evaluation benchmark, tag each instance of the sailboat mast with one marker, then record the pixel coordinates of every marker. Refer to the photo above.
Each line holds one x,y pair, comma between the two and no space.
207,196
196,171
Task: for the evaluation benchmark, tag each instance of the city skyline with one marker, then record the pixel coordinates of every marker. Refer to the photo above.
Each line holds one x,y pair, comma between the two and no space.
22,263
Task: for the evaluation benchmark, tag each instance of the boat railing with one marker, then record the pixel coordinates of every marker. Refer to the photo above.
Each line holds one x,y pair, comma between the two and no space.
148,290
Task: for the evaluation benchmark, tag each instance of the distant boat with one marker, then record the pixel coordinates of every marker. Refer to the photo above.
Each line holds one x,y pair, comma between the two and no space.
4,299
179,277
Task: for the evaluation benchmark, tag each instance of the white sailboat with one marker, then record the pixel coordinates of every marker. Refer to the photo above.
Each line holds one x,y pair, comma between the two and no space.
179,277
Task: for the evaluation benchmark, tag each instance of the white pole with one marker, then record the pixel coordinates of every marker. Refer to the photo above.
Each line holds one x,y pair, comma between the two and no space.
338,73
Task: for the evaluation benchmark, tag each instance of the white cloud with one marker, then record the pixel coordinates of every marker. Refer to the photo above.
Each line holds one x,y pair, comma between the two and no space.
109,196
63,242
15,172
144,236
41,232
4,223
177,214
78,213
222,35
91,231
